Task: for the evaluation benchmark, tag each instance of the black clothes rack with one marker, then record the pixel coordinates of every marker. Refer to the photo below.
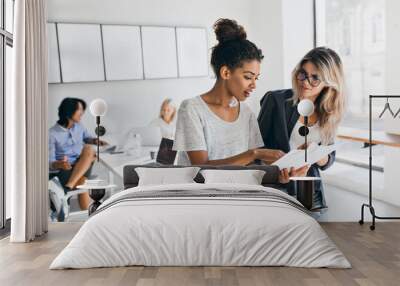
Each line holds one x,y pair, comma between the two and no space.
370,205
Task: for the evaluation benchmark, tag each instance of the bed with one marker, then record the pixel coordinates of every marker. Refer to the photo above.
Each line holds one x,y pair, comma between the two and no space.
198,224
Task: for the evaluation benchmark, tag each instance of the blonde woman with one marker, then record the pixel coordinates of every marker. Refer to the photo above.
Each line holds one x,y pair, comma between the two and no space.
318,77
166,119
167,124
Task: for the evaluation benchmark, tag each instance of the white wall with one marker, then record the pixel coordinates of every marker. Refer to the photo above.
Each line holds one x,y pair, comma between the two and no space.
392,46
266,31
298,34
392,82
392,85
135,103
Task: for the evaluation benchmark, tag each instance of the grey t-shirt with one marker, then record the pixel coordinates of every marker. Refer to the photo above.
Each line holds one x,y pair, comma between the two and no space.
199,128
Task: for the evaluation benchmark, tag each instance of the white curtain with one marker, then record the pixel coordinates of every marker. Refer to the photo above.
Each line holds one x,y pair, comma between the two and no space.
27,155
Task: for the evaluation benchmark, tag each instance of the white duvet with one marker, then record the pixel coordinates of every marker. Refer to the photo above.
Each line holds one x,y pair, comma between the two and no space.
185,231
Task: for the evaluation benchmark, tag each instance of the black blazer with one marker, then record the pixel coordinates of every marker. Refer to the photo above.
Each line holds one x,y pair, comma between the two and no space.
277,118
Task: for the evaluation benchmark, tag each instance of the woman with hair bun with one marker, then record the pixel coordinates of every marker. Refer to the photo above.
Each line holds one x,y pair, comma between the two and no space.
216,128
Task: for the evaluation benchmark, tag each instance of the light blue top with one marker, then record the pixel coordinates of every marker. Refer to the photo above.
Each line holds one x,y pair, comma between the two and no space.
67,142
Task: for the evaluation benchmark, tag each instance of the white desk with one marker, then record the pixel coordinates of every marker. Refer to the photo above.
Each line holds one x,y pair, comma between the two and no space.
115,163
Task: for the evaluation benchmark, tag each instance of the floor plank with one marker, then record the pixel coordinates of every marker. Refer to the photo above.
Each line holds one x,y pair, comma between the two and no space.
374,255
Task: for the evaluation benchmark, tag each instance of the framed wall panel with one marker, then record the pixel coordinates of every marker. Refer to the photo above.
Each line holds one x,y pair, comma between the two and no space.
54,60
192,52
122,52
81,52
159,52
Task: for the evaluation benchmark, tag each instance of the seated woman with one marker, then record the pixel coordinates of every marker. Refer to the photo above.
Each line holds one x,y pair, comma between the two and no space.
167,124
68,153
166,119
216,128
318,77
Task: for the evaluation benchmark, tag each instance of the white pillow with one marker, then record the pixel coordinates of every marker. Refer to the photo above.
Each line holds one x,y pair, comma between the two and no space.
165,176
248,177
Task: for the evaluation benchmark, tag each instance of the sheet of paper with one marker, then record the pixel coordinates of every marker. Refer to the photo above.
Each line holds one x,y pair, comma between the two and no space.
296,158
107,148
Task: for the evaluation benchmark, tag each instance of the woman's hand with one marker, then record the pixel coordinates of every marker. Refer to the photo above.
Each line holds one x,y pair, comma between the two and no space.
61,164
303,146
268,155
285,174
101,142
323,161
300,172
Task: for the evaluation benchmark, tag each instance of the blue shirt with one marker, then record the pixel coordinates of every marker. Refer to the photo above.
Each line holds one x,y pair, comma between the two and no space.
67,142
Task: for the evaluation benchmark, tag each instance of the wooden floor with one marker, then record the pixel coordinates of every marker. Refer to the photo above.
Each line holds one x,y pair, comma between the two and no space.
375,257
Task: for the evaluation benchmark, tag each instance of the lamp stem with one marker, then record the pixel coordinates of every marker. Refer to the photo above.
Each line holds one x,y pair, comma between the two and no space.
305,138
98,137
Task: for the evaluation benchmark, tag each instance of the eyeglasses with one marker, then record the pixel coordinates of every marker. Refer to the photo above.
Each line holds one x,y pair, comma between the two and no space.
313,80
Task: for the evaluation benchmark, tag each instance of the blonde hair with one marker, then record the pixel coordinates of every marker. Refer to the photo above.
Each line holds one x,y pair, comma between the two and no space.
330,103
163,104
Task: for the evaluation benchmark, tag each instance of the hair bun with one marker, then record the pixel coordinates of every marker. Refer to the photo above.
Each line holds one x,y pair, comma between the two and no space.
228,30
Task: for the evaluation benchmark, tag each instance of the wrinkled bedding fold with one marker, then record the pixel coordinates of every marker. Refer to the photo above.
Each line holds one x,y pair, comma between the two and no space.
201,225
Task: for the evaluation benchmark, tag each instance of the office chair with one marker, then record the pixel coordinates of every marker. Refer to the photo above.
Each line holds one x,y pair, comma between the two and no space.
59,201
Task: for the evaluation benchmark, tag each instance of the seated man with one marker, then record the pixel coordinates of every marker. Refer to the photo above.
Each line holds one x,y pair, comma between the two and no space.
69,152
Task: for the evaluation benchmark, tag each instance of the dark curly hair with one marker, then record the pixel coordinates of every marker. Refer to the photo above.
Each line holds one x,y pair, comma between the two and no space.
233,48
67,108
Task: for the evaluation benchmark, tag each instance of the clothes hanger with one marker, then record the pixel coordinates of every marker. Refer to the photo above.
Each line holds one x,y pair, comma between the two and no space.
387,107
397,113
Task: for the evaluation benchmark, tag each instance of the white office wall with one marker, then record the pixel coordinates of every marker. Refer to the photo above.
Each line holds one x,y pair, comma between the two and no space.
298,34
392,61
266,29
392,46
392,85
133,103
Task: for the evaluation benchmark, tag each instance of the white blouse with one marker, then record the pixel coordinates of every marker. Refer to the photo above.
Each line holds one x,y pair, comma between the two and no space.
297,140
199,128
167,129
